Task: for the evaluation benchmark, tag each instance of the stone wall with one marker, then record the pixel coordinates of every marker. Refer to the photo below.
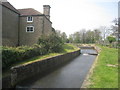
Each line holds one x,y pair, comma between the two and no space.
87,47
30,38
20,73
41,26
47,26
10,22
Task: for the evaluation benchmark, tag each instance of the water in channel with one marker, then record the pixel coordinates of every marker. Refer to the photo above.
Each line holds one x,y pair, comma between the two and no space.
70,75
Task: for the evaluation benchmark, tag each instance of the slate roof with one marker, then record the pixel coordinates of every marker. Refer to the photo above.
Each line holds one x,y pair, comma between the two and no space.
29,11
8,5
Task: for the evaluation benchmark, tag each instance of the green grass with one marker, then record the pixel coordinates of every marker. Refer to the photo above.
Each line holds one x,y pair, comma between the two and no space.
105,76
67,48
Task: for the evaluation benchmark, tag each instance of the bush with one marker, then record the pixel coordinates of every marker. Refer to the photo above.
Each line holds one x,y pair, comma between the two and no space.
46,44
52,43
111,39
12,55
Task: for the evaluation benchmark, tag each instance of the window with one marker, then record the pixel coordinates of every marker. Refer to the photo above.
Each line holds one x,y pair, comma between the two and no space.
30,19
29,29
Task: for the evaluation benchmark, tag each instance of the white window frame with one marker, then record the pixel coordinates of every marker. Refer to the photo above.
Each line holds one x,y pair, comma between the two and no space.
28,20
30,27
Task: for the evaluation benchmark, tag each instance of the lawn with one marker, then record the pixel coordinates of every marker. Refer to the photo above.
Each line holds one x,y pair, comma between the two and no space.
105,73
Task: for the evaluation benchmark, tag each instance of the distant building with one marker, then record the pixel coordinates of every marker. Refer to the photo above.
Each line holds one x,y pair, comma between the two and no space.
23,26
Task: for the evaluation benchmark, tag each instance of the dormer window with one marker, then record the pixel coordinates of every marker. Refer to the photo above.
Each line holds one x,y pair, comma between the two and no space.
29,19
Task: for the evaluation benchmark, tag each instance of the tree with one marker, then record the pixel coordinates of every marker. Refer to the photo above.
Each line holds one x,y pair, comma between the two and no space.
52,43
76,37
97,35
111,39
114,28
89,36
64,37
71,38
85,36
58,32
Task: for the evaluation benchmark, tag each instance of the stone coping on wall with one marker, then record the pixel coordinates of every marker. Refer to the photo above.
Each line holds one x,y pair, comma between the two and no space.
21,65
22,72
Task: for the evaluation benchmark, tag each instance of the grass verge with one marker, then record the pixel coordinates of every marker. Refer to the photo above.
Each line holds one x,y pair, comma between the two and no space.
105,74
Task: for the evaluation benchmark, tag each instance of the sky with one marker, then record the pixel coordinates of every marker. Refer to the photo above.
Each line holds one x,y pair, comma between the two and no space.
70,16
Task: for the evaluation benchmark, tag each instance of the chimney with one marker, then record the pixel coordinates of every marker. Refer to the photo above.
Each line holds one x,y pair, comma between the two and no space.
46,10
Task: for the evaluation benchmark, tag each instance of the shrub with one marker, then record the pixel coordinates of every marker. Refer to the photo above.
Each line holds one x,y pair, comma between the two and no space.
12,55
111,39
46,44
52,43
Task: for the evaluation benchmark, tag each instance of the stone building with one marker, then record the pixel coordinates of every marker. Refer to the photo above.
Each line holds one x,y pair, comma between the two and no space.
23,26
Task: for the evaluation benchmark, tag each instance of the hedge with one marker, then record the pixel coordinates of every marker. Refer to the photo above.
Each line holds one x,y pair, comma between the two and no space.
46,44
11,55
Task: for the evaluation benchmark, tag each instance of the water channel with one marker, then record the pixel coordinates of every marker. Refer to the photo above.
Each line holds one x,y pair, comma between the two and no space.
70,75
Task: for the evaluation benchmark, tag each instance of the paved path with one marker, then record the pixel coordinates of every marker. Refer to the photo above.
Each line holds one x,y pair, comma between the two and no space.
71,75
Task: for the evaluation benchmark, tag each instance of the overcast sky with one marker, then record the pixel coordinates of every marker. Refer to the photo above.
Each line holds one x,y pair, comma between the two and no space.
72,15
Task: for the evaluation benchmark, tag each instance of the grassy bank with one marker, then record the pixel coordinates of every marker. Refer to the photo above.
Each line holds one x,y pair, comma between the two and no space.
105,74
66,49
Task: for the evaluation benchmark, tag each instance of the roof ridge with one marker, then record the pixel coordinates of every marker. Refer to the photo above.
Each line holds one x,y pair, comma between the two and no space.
29,11
10,6
25,8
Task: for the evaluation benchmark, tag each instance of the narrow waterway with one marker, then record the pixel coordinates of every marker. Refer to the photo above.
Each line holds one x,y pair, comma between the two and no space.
70,75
